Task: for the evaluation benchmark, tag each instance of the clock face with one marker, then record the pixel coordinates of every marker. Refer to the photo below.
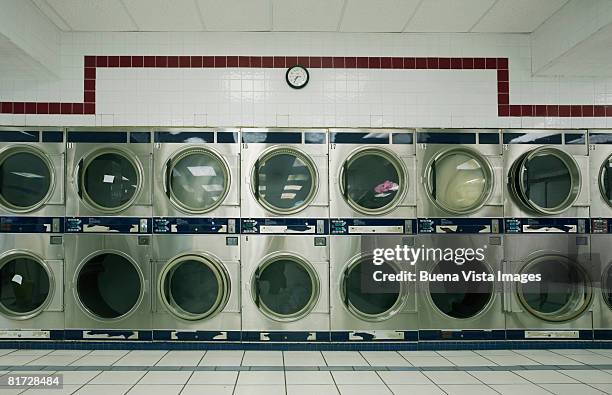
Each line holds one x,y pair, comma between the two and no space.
297,77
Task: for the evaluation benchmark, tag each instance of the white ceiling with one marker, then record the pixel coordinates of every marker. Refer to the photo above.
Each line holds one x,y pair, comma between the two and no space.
503,16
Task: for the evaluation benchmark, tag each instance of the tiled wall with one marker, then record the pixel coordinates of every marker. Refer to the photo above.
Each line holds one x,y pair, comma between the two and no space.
225,79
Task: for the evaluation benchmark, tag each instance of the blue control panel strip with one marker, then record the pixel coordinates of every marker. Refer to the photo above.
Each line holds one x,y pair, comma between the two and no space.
192,225
446,138
97,137
352,226
122,225
31,225
460,225
285,226
546,225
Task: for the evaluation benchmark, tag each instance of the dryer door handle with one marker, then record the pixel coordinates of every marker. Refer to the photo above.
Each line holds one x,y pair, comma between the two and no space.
345,287
167,176
257,290
79,176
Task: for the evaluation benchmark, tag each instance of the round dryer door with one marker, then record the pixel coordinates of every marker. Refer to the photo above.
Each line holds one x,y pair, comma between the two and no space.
26,179
606,286
367,299
605,180
285,288
26,286
563,293
110,180
372,181
193,287
284,180
109,286
460,299
459,180
197,180
546,180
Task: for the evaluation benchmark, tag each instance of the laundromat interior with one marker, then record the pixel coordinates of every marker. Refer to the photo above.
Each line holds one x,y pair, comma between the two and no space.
306,197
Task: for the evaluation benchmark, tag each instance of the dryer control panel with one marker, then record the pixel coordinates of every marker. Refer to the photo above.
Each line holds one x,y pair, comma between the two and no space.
107,225
546,225
193,225
352,226
31,225
460,225
285,226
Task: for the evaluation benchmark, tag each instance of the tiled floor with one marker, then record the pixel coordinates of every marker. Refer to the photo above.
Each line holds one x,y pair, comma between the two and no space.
109,372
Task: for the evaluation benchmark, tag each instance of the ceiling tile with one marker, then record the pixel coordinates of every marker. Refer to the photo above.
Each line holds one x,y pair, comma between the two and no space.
312,15
93,15
377,15
517,16
448,15
236,15
163,15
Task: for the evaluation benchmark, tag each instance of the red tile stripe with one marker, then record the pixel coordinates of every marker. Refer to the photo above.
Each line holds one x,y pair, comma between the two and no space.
504,108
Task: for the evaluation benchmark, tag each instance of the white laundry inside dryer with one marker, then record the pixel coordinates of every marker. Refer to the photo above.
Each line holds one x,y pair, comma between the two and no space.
460,181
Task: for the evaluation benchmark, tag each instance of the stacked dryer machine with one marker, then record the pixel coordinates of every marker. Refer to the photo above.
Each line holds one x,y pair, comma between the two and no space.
32,164
108,226
600,157
546,224
460,209
372,205
196,251
284,242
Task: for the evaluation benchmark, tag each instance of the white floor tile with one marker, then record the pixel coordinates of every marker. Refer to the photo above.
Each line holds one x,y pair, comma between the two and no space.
69,352
78,376
451,377
214,378
5,351
404,378
495,377
39,353
108,353
429,361
318,389
344,358
222,358
418,389
420,353
364,390
263,358
512,360
603,351
364,377
117,377
157,389
55,360
471,389
308,377
572,351
17,360
181,358
589,376
607,388
261,377
592,359
259,390
208,390
486,353
572,389
457,353
557,359
303,358
141,358
470,361
519,389
91,389
89,360
545,376
384,358
66,389
159,377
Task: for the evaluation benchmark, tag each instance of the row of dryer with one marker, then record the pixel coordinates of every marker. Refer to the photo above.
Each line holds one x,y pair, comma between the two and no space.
257,173
300,287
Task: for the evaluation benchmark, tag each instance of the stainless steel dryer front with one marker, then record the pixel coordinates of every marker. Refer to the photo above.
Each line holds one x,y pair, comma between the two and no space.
285,287
460,172
600,164
32,164
31,285
547,173
361,308
559,304
601,271
108,173
108,284
197,173
372,174
196,290
284,173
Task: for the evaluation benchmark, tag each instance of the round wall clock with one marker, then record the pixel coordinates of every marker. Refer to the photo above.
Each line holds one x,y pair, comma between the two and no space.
297,77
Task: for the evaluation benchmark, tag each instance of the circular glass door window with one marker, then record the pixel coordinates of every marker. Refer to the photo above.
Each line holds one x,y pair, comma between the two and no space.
198,180
459,181
110,181
26,179
368,299
460,299
372,181
546,180
194,288
563,293
605,180
606,288
284,180
109,286
286,288
25,286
